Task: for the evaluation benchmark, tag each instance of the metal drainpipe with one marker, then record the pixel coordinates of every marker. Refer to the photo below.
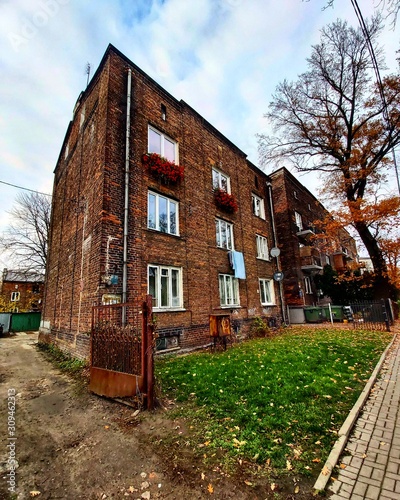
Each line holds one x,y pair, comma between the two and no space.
126,204
271,209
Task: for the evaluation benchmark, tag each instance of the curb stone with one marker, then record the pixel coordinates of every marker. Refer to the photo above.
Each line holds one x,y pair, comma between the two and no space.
344,431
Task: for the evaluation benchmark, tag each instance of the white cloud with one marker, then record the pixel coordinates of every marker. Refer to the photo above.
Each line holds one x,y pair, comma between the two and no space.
223,57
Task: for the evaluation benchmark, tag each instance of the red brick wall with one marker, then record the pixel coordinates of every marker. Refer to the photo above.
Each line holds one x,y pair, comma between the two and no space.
88,212
290,196
30,298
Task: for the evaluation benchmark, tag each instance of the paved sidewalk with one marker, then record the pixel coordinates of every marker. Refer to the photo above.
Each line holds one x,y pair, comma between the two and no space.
370,466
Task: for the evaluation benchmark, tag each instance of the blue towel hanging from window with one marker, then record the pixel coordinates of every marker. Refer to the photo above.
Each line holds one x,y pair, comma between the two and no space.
236,260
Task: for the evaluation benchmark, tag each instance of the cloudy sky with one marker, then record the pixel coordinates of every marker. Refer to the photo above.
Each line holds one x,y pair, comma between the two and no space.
223,57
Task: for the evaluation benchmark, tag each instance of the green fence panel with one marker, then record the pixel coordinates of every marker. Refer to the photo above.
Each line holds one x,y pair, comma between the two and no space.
25,322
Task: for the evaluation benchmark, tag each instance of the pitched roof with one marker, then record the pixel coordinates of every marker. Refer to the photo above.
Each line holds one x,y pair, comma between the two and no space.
22,276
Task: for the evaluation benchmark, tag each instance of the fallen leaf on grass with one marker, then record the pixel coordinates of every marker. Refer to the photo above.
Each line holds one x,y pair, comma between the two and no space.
203,476
297,489
297,452
274,486
317,460
289,466
238,443
34,493
248,483
325,471
210,489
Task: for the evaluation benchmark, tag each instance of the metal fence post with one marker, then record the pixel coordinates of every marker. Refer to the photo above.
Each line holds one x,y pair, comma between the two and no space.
148,351
385,315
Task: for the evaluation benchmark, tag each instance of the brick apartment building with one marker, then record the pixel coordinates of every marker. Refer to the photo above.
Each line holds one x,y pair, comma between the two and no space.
124,226
21,291
302,255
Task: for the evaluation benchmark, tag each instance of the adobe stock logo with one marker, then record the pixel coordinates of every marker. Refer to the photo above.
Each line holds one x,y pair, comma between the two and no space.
29,27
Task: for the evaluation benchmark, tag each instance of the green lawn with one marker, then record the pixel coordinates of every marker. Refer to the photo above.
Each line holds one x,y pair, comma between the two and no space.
277,402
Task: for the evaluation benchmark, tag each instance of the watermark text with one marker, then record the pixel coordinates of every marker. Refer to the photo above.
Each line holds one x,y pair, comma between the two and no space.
12,463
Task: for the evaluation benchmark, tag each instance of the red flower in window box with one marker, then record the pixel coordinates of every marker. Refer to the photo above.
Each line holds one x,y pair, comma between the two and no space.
225,201
166,170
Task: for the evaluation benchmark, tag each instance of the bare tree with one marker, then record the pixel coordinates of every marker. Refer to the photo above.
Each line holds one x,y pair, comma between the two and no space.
26,238
333,120
391,7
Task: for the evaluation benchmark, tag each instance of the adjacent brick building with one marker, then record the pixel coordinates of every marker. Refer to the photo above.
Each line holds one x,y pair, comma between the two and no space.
21,291
123,226
302,255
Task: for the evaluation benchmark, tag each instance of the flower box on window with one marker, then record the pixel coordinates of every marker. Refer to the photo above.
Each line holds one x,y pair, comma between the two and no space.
225,201
167,171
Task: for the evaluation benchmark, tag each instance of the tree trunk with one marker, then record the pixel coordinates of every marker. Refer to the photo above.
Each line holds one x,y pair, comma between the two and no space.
383,289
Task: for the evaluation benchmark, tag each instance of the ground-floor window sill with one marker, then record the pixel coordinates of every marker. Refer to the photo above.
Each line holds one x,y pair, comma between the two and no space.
157,310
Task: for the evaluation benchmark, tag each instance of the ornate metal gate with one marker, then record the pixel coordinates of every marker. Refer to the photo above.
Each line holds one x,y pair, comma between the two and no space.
121,354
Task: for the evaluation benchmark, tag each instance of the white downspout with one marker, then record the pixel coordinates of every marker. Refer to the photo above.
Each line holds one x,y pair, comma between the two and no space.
126,204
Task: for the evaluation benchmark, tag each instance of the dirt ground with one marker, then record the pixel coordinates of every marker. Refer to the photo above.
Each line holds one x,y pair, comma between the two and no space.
71,444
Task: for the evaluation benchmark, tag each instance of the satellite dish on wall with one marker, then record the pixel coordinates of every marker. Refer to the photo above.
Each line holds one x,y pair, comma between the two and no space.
278,276
275,252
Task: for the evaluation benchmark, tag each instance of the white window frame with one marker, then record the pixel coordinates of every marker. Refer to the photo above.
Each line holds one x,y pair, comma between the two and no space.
163,139
267,292
262,247
308,285
174,300
217,180
228,290
299,221
169,202
15,296
258,206
222,226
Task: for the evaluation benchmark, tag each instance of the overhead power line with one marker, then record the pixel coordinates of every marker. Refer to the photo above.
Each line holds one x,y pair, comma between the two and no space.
378,77
24,188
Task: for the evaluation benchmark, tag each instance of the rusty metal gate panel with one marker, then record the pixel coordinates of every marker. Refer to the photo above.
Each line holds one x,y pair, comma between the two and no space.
119,350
